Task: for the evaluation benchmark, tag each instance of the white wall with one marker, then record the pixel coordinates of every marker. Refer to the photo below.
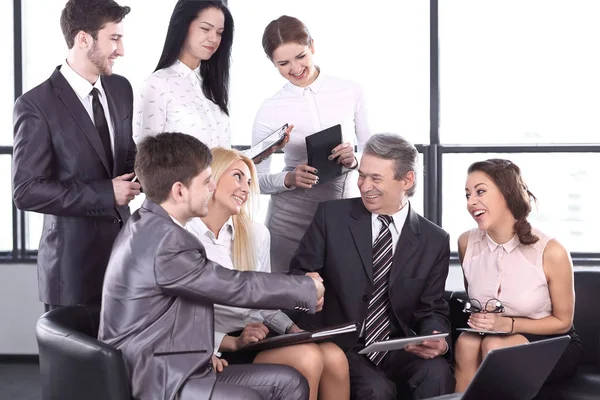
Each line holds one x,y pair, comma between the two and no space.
19,308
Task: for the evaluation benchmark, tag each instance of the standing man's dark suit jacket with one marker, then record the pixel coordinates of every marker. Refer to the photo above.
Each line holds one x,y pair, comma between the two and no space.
60,169
157,304
338,245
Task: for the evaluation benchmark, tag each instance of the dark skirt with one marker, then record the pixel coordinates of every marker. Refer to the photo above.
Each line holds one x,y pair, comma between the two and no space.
567,363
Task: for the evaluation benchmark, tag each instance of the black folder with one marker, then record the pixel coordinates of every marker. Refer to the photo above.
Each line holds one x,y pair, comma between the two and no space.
318,148
300,337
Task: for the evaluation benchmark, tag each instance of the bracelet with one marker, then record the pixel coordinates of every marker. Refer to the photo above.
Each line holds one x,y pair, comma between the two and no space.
512,328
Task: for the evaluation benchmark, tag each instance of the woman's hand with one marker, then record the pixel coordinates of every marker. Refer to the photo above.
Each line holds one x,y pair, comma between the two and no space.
219,363
294,329
273,149
252,333
303,176
344,153
490,322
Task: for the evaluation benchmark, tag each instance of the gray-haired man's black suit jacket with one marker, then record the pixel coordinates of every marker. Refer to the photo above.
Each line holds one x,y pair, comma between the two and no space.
60,169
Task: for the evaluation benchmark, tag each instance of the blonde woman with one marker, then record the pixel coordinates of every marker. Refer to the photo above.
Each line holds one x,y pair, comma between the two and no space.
232,239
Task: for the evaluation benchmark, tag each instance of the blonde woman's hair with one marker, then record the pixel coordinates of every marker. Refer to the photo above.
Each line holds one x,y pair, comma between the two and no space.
244,254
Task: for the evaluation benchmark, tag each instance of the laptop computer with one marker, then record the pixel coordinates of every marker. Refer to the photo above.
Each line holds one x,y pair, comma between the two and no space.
513,373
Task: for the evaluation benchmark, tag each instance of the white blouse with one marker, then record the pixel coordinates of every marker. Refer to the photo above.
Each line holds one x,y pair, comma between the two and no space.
326,102
171,100
231,319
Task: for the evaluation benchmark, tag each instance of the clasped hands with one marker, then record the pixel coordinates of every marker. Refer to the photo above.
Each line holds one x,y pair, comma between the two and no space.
489,321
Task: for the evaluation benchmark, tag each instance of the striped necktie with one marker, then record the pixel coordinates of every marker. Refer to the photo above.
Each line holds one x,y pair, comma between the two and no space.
377,326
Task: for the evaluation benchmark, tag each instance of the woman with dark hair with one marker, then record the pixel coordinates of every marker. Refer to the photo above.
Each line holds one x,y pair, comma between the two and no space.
311,101
527,274
188,91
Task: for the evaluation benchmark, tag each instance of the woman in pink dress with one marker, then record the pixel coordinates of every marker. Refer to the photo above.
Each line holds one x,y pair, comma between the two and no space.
527,274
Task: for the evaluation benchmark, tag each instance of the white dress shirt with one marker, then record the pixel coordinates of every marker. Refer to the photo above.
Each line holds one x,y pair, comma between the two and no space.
326,102
172,100
83,89
230,319
395,227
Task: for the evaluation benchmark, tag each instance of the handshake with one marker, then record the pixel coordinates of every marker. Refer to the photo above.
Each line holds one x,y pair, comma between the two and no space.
318,281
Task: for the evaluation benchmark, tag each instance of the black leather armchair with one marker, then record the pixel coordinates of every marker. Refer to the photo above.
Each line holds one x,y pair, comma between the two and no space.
585,385
74,365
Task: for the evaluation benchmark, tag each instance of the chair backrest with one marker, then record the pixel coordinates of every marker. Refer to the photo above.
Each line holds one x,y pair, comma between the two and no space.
73,363
587,314
458,318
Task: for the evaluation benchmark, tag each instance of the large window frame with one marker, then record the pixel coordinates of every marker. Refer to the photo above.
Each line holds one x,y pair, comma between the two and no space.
433,152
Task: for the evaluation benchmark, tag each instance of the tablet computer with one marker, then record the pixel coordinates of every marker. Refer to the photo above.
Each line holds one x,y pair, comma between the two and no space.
398,344
273,139
483,332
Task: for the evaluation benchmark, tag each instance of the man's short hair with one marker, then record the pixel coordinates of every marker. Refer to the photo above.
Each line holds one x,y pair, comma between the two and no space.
167,158
391,146
89,16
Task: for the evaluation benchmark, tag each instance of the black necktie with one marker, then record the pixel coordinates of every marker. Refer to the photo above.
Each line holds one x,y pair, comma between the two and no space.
102,126
377,323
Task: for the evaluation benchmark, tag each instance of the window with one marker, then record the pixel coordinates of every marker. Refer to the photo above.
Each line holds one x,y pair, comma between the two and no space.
385,48
519,71
565,184
7,96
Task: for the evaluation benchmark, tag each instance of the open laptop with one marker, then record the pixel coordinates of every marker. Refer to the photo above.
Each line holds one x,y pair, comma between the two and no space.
513,373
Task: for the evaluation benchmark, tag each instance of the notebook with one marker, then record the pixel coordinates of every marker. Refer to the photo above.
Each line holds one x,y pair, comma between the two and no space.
272,140
318,149
301,337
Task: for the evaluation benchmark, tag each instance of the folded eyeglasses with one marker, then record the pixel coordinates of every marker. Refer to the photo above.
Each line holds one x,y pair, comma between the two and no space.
471,306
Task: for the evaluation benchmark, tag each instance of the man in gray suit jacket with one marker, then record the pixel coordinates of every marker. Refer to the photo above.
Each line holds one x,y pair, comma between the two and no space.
159,289
72,152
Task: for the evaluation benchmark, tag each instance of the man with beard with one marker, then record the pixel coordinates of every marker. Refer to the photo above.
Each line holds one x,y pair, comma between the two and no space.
73,155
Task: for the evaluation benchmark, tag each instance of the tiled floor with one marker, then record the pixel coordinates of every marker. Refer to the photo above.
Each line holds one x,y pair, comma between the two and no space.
19,381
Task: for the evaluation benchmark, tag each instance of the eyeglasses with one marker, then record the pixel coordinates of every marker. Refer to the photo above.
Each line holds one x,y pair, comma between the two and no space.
471,306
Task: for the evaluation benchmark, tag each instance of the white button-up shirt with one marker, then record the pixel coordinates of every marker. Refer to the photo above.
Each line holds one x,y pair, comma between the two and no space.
230,319
395,227
172,100
83,89
326,102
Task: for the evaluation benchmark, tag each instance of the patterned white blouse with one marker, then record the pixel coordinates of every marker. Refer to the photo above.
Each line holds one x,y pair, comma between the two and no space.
171,100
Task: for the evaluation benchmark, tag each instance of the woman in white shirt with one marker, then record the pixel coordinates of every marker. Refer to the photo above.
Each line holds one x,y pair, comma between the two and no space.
232,239
311,101
188,91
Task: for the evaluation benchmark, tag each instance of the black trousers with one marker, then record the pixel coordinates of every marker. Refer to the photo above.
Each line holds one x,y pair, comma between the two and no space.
399,369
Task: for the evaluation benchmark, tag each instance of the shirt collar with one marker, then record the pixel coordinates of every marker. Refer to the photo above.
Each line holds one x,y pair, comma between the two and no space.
175,220
200,228
508,246
183,70
314,87
398,218
80,85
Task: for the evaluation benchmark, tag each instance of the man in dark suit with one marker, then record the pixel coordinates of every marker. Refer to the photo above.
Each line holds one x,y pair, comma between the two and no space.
73,155
384,267
157,304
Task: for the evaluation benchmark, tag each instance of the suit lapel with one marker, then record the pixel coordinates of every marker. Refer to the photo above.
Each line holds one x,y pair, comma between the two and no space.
116,118
68,96
408,243
360,227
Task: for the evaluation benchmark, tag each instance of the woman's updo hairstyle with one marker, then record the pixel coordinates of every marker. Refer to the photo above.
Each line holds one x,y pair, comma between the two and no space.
507,176
283,30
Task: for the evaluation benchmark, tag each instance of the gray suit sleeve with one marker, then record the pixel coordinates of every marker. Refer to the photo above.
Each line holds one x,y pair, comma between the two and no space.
34,188
181,269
